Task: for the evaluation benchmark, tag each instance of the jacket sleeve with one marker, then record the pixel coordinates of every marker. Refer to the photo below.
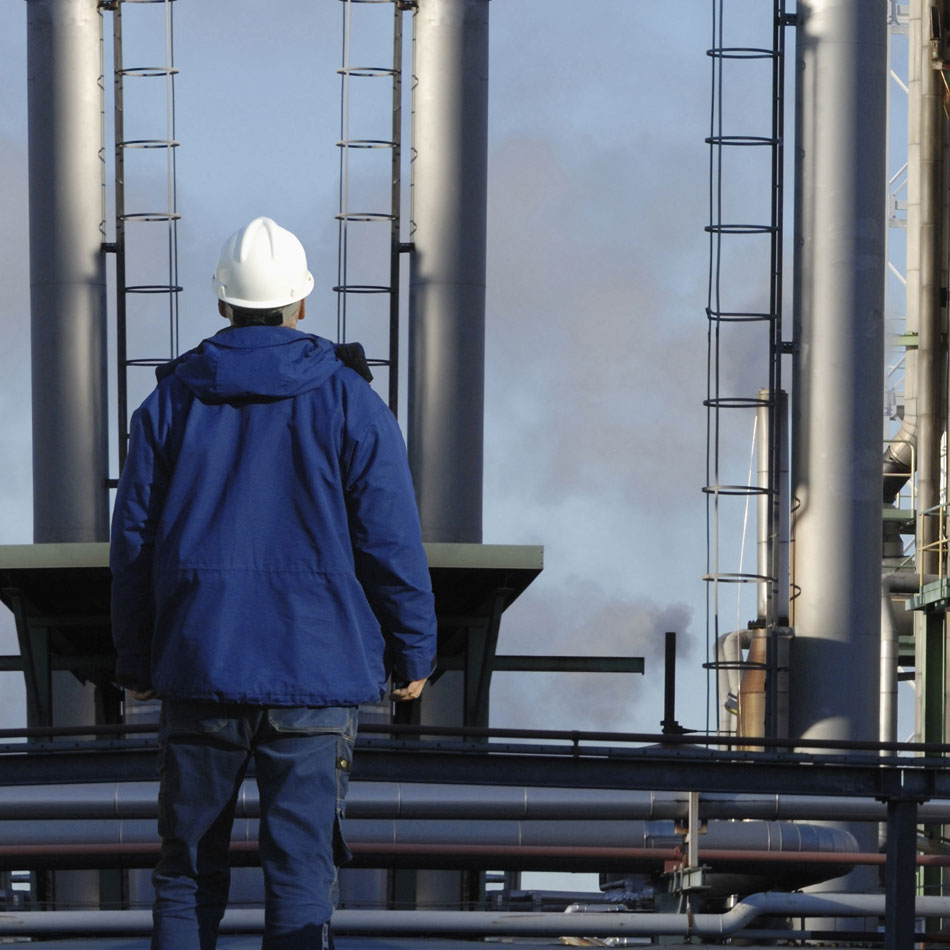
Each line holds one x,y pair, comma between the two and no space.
387,547
138,506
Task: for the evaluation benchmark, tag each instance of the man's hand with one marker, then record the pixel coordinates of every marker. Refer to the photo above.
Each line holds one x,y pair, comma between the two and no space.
409,691
142,695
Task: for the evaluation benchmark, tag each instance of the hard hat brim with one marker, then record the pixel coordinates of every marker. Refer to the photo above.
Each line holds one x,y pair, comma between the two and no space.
272,304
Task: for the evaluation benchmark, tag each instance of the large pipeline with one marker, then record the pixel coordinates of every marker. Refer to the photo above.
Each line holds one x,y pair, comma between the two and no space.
498,924
394,800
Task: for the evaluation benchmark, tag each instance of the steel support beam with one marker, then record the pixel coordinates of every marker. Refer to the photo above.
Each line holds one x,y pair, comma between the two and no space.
674,768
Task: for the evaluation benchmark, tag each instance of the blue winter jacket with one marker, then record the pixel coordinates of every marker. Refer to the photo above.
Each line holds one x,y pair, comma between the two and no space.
265,539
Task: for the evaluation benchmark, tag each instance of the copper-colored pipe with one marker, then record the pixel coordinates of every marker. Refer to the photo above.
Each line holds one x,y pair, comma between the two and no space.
752,692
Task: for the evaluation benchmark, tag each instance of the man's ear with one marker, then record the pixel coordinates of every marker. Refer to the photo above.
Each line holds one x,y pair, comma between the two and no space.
221,309
302,312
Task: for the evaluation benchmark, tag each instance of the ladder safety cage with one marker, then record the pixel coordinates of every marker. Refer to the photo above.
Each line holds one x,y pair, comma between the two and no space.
757,311
166,217
388,287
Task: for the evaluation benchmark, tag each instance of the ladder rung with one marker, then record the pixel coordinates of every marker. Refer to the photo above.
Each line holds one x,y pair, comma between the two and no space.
739,316
364,216
365,143
754,140
739,229
735,490
153,289
362,289
149,143
741,52
151,216
367,71
148,71
735,402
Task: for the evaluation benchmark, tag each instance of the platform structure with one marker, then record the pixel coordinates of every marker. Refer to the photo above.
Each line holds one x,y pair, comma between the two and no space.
59,596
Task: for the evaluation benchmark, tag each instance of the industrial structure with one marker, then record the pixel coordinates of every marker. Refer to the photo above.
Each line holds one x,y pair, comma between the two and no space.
798,816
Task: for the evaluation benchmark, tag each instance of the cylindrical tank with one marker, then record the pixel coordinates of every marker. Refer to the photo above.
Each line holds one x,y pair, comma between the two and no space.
447,270
67,273
68,309
447,306
839,337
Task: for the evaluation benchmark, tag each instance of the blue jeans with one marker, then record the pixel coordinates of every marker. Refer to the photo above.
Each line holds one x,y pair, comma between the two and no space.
302,760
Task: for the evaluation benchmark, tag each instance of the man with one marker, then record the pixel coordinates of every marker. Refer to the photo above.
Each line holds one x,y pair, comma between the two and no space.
268,574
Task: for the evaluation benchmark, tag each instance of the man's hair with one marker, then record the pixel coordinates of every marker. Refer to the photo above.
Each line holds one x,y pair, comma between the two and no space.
253,317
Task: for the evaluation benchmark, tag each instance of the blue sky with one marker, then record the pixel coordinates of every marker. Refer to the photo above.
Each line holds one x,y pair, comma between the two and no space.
597,281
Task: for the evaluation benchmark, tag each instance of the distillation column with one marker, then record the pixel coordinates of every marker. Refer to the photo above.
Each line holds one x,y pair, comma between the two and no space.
839,337
67,272
447,271
447,306
68,309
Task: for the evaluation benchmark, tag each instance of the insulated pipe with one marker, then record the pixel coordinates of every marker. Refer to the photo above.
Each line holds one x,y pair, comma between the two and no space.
447,265
837,479
889,661
67,271
924,269
893,583
496,923
729,649
382,800
569,858
444,846
761,836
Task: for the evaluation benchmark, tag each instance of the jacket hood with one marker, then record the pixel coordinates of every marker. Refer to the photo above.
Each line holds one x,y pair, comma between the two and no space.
254,362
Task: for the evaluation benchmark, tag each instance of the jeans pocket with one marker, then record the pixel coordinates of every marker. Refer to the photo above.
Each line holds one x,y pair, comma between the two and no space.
313,720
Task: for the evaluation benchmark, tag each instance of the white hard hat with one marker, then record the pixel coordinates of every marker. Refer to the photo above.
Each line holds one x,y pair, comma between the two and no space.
262,266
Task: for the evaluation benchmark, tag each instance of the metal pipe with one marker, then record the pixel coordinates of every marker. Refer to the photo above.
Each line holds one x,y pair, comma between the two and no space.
924,277
447,265
892,584
752,686
454,856
839,368
68,306
384,800
839,334
765,562
481,923
67,271
591,833
729,649
581,742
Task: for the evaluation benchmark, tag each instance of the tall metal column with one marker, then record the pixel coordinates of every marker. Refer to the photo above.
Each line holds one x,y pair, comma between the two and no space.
447,307
925,289
839,337
839,273
924,267
67,274
447,271
68,310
